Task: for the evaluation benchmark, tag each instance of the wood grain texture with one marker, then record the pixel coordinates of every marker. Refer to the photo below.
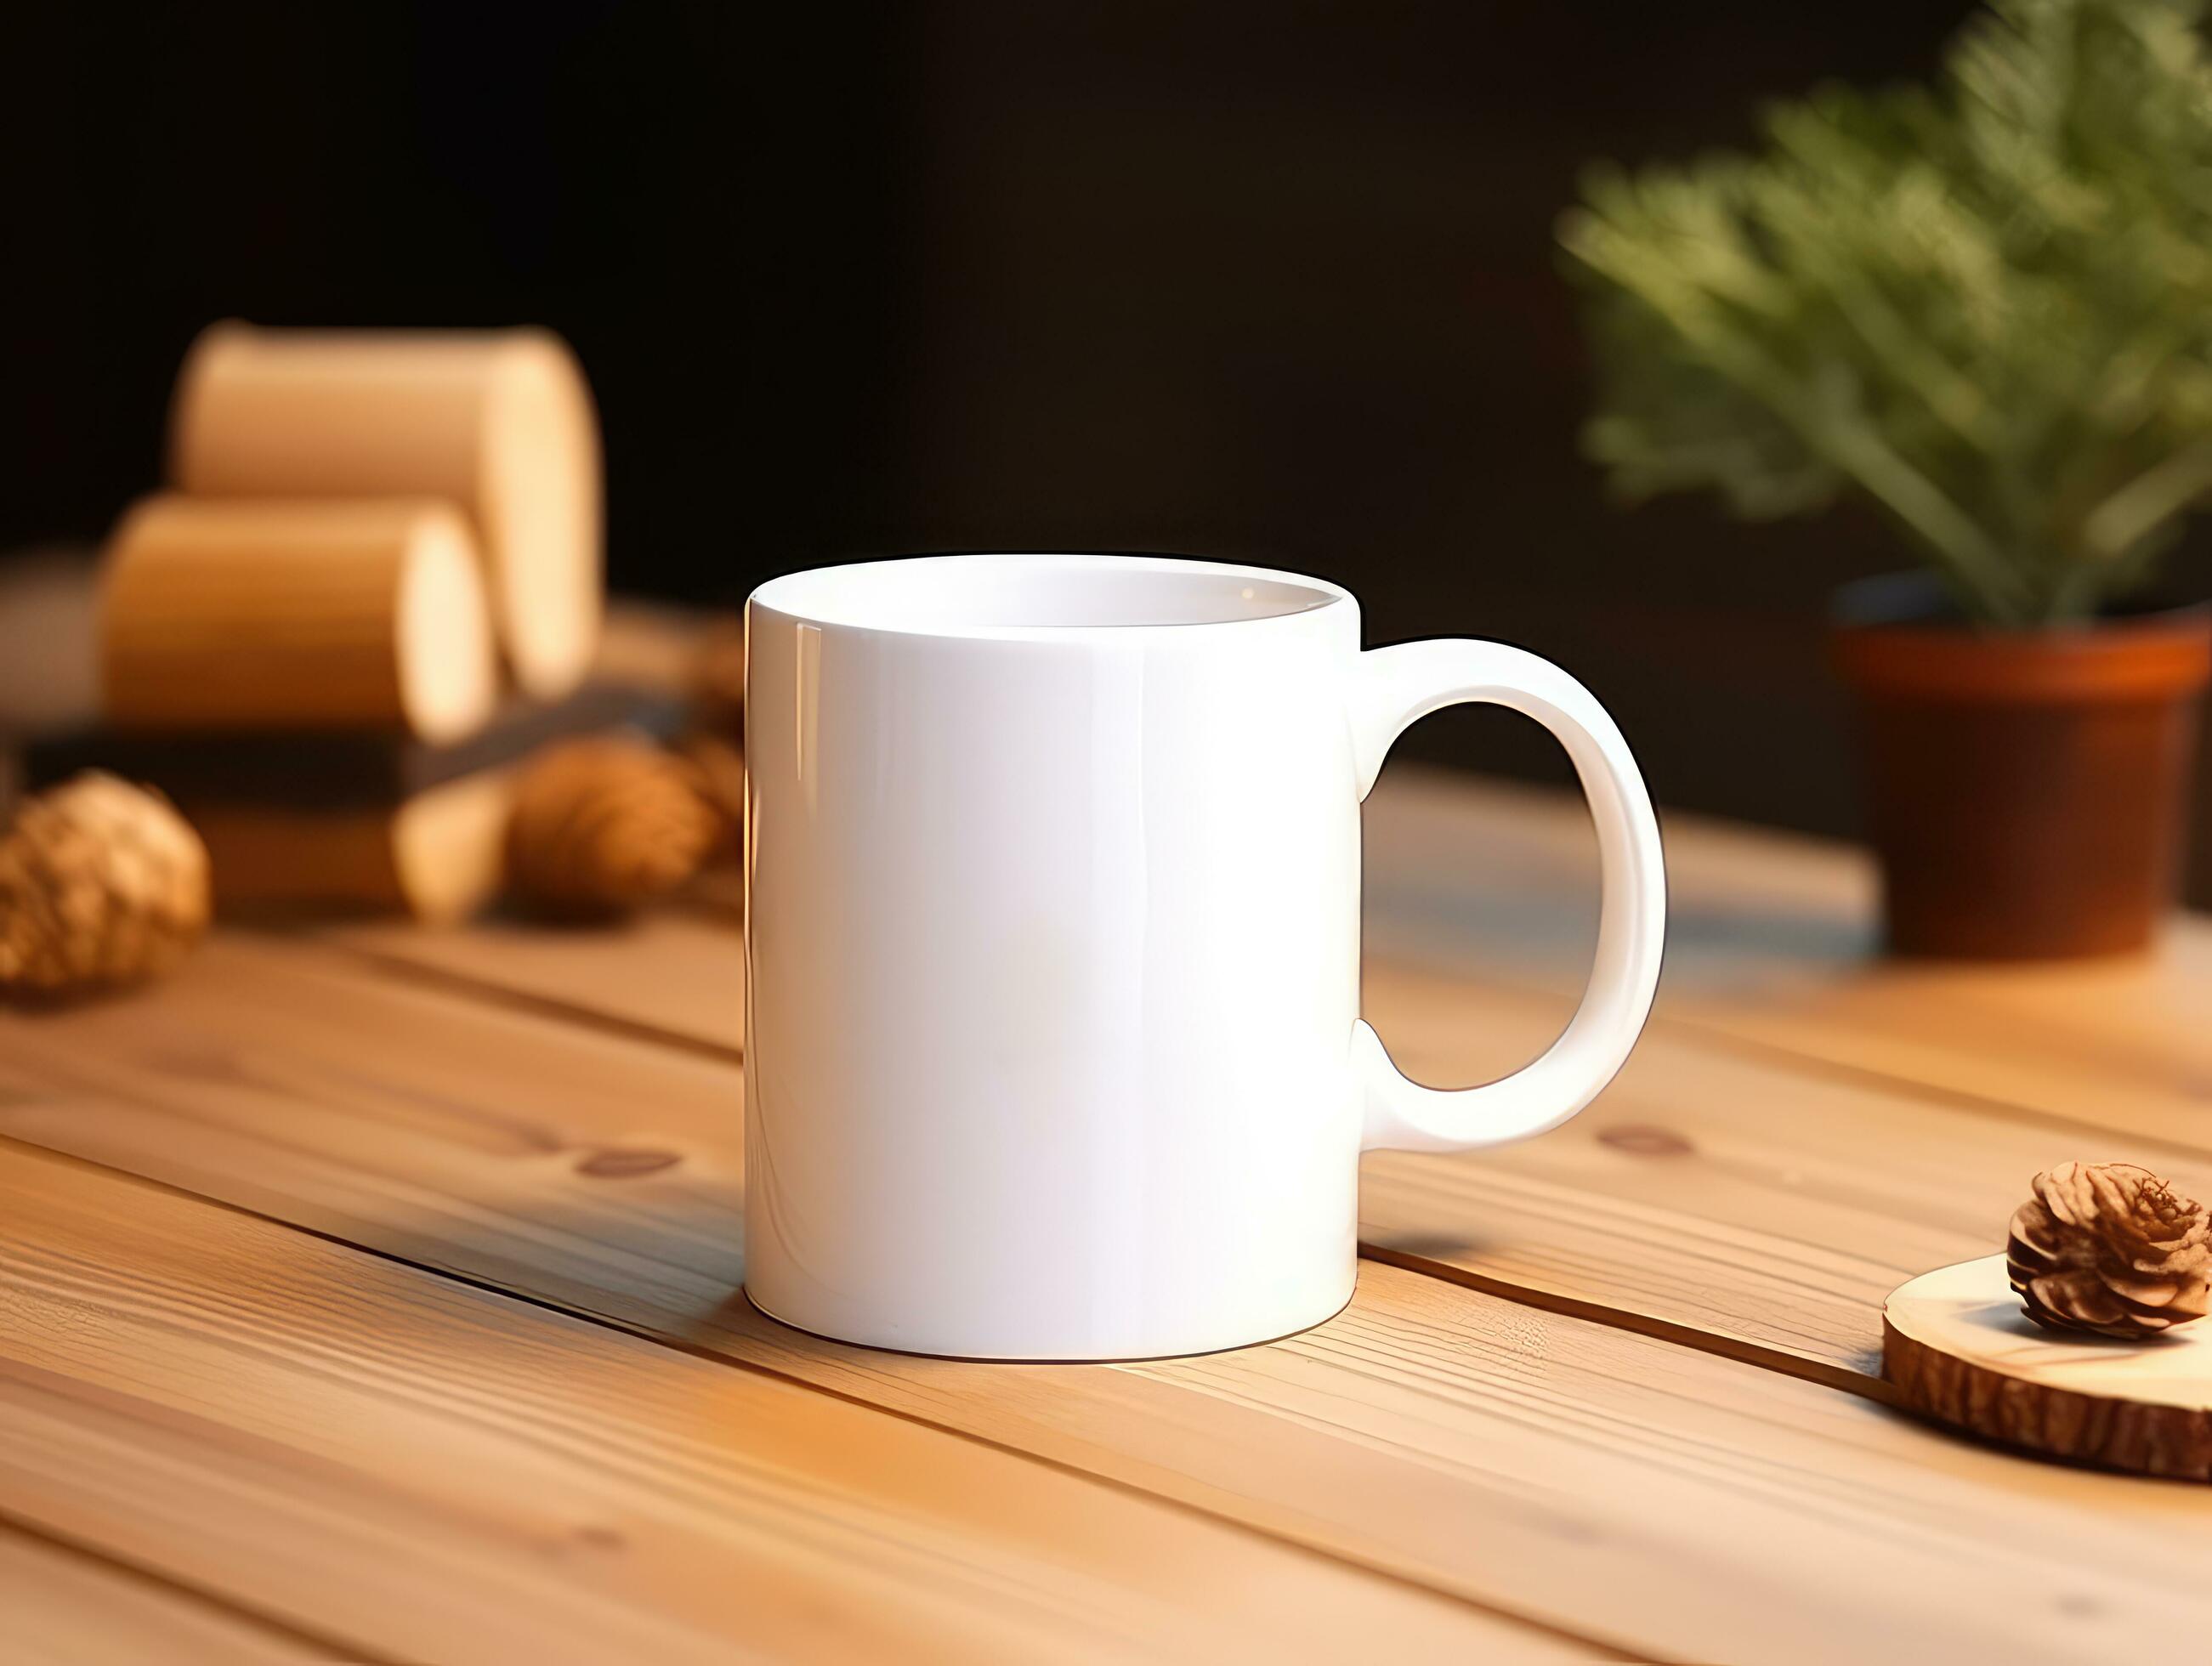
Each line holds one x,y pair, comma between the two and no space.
1771,947
423,1469
674,977
61,1605
1740,1201
498,422
50,632
1753,1202
436,855
1750,1204
1606,1484
296,614
1957,1347
1771,953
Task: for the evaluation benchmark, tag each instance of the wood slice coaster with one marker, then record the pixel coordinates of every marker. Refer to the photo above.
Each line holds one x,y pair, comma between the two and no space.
1958,1348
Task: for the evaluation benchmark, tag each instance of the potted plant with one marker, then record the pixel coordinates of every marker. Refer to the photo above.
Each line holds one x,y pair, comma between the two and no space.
1985,307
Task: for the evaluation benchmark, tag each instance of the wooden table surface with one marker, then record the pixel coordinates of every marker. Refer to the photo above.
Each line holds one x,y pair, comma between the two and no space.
375,1292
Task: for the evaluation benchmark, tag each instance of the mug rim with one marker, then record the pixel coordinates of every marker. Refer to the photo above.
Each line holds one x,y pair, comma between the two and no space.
807,596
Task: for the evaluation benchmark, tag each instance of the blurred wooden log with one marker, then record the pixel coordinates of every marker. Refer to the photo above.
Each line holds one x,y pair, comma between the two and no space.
275,614
438,856
499,422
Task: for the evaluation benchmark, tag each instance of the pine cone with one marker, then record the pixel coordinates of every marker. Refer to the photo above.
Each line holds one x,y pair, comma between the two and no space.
601,826
718,680
721,768
101,883
2109,1248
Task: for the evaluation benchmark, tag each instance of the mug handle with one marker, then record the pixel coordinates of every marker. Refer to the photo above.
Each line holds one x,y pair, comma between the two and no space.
1394,687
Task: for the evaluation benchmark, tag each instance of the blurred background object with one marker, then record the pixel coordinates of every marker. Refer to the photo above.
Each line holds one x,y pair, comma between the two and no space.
298,644
498,422
1263,281
102,885
296,613
1983,307
602,826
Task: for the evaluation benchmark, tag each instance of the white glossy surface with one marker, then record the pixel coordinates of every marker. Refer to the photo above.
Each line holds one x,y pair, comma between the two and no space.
1052,871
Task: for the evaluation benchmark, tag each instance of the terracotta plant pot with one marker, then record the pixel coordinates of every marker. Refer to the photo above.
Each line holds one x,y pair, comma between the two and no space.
2027,789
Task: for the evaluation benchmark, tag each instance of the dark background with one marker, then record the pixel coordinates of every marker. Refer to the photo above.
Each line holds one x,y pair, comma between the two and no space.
1268,282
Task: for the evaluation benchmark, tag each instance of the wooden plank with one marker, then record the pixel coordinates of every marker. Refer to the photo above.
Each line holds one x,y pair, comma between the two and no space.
1771,944
426,1469
59,1604
1771,948
1757,1208
1764,1206
1741,1202
1754,1207
1660,1498
675,977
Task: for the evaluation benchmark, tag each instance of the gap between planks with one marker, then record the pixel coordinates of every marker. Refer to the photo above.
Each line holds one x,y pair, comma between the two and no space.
1404,1430
216,1297
428,965
62,1599
1722,1037
463,962
1773,942
1814,1002
478,986
1535,1627
1404,987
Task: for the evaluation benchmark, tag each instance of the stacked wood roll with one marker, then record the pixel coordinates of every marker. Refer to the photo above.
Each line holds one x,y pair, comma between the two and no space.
500,423
309,631
437,855
296,614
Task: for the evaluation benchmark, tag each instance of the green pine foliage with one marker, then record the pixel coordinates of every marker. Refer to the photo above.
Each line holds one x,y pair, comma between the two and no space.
1987,306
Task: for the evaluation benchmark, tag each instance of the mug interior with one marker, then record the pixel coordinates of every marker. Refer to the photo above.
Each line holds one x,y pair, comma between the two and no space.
1018,592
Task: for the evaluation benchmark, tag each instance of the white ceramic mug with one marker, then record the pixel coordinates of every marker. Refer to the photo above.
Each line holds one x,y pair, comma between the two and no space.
1052,1047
